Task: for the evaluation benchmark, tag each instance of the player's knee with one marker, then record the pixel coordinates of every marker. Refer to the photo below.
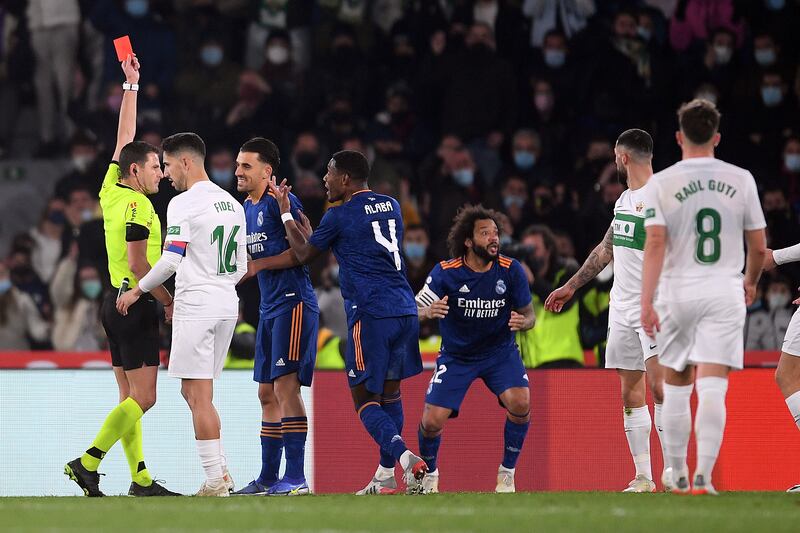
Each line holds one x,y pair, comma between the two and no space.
266,395
286,389
657,388
145,400
781,378
430,429
519,407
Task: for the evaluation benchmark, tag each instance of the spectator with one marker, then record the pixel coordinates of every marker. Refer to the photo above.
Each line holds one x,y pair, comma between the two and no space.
258,111
75,293
766,324
526,159
504,19
221,166
15,62
781,223
303,169
86,167
693,19
546,15
48,238
418,261
82,207
514,197
790,169
20,321
775,117
280,68
329,298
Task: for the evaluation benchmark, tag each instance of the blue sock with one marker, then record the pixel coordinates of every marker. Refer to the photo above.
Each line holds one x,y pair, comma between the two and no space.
392,406
514,436
271,448
295,430
429,448
382,429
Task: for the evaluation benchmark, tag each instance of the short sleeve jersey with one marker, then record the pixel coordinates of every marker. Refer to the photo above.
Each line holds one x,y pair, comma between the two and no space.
476,326
212,224
628,241
128,215
280,290
706,205
365,235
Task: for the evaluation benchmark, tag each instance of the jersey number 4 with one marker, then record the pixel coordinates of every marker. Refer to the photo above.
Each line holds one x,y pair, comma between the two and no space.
391,243
226,249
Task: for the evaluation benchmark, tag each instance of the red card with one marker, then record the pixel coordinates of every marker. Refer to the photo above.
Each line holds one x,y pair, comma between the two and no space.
123,48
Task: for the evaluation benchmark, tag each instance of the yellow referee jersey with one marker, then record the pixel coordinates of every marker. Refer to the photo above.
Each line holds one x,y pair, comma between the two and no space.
123,206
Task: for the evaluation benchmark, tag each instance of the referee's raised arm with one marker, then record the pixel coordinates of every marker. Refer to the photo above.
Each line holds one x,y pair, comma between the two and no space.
127,112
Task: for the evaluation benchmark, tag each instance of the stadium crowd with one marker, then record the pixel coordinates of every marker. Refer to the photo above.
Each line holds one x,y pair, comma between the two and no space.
513,104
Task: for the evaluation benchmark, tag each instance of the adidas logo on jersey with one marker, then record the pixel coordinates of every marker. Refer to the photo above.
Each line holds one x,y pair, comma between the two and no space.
280,362
463,288
351,374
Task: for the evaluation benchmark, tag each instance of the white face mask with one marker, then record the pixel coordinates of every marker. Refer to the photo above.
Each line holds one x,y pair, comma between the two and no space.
723,54
777,300
277,54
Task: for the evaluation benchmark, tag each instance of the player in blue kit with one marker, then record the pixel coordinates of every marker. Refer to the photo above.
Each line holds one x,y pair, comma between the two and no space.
286,339
365,233
481,298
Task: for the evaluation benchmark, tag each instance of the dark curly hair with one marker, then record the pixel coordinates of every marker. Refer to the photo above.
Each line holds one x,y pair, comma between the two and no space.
464,227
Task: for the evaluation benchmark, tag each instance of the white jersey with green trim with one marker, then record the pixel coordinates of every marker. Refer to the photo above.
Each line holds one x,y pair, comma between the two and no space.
628,240
706,206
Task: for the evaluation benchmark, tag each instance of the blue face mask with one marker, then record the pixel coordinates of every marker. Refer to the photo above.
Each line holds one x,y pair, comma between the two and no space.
644,33
772,96
137,8
792,162
505,240
211,55
513,201
765,56
524,160
776,5
414,250
221,176
5,285
91,288
555,58
464,177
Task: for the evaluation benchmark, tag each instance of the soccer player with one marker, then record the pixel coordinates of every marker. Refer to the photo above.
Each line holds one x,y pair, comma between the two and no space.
365,233
490,300
286,340
205,245
629,349
133,243
697,212
788,373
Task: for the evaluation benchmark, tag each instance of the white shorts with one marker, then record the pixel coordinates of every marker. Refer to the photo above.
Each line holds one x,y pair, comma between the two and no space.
199,347
702,331
791,341
628,345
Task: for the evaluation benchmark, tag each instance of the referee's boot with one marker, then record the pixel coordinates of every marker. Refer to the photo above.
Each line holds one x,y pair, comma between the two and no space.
86,480
154,489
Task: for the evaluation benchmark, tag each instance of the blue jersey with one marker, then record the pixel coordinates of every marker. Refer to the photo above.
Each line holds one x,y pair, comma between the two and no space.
476,326
365,235
280,290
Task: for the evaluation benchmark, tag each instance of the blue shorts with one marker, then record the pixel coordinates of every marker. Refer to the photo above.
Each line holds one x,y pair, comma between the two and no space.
453,377
382,349
286,344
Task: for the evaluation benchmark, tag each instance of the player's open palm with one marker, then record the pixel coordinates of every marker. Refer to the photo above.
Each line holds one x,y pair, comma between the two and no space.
650,321
516,322
556,300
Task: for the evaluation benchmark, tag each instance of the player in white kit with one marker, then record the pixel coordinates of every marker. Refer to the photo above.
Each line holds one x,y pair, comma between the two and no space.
697,212
629,349
206,245
788,373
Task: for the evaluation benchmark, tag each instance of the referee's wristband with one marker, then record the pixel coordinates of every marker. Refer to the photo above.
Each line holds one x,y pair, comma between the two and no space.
286,217
130,86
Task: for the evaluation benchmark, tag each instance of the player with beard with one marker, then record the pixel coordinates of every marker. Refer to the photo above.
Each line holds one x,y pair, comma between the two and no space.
490,301
630,351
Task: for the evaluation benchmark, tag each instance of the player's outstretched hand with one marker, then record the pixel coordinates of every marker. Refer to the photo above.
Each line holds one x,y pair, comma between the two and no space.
556,300
131,69
438,309
650,321
750,291
281,193
769,261
125,301
517,321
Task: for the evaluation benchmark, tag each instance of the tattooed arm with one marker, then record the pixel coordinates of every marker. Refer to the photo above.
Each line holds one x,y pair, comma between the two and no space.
601,256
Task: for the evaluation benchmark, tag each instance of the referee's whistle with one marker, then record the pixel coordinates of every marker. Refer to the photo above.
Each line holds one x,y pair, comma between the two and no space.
123,287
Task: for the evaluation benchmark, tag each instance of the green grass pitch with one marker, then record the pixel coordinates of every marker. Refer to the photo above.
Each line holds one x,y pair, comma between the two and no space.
584,511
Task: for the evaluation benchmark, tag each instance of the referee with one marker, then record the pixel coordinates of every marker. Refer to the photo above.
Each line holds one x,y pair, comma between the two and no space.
133,243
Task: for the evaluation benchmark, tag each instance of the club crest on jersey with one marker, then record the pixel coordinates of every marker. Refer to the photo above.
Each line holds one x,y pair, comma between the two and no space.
260,219
500,288
639,207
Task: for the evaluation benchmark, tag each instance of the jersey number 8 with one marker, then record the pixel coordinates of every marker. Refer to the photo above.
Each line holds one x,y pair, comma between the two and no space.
708,226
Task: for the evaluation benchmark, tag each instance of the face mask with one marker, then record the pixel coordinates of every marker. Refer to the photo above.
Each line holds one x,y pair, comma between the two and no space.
772,96
524,160
82,162
114,102
87,214
723,54
211,55
765,56
555,58
57,217
792,162
306,160
414,250
711,97
775,5
277,54
464,177
513,201
5,285
777,301
221,176
137,8
91,288
543,102
335,274
644,33
505,240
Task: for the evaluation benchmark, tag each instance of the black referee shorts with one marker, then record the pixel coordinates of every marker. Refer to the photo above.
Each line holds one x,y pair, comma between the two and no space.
133,338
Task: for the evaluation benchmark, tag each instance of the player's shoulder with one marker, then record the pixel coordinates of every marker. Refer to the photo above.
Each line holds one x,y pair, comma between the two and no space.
451,264
504,261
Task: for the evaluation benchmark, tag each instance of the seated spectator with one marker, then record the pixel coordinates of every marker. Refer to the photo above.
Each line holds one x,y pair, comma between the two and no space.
769,316
526,159
546,15
790,169
76,295
693,19
86,166
514,197
221,166
259,110
418,261
329,299
20,321
47,239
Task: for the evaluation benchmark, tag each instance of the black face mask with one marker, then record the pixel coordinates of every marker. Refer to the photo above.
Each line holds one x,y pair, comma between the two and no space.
306,160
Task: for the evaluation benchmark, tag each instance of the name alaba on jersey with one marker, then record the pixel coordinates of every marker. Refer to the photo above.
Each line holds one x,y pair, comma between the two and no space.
476,326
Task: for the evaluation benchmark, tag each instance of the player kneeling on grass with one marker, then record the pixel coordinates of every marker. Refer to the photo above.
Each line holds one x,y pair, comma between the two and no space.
481,299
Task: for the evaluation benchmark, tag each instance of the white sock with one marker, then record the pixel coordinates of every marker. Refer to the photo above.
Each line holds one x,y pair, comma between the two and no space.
506,470
210,458
676,419
657,409
709,424
793,403
222,455
637,430
384,473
